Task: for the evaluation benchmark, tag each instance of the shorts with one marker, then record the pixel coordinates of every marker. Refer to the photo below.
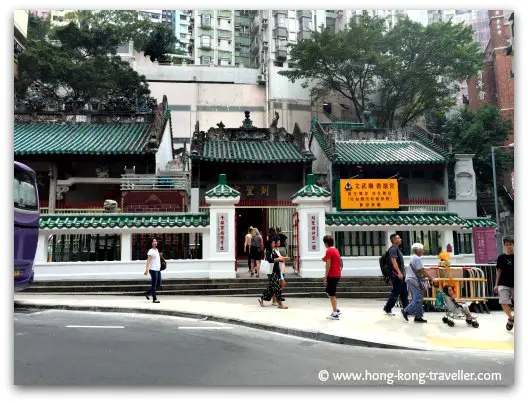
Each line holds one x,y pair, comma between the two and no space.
505,295
331,286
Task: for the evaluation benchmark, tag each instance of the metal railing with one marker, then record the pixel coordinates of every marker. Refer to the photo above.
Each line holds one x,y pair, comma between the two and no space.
423,207
45,210
155,182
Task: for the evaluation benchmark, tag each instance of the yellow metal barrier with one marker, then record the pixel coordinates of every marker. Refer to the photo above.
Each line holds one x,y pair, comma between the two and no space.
470,288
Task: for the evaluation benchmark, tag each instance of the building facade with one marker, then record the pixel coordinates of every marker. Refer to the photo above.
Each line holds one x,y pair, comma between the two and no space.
20,18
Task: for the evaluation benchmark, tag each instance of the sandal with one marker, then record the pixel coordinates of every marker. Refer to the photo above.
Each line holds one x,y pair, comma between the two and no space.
261,302
282,307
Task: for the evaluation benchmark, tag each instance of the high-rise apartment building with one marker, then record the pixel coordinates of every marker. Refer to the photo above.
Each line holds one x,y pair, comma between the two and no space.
20,18
181,23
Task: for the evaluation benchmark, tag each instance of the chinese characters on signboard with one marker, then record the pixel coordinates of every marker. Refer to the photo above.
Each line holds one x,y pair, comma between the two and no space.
313,232
221,233
366,194
480,84
256,191
484,245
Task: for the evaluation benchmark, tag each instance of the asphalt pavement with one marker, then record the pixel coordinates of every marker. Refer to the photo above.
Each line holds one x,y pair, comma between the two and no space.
54,347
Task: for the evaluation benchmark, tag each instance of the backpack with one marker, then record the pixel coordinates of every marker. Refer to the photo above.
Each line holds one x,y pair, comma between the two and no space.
386,266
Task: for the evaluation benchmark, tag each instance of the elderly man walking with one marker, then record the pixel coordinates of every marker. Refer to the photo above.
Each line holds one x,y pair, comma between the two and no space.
414,276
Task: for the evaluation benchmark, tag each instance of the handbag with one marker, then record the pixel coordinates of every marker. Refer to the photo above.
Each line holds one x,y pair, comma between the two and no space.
264,266
283,283
163,263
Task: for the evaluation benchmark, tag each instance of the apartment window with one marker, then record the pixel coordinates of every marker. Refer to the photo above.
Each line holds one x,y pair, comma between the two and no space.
58,18
183,17
244,30
225,62
244,12
280,21
183,36
205,59
206,20
244,50
206,40
282,43
306,24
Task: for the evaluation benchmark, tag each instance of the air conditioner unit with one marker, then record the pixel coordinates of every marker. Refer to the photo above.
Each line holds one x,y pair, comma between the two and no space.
264,22
265,44
261,79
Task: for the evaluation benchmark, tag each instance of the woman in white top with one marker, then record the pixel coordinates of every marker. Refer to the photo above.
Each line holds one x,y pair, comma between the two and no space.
247,246
153,267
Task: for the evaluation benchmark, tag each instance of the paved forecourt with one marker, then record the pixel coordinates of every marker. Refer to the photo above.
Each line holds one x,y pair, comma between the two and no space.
362,321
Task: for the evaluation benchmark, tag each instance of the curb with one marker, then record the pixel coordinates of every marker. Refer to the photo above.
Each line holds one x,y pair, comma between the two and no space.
325,337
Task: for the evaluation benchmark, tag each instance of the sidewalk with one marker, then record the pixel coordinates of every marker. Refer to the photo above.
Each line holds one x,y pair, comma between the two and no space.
362,321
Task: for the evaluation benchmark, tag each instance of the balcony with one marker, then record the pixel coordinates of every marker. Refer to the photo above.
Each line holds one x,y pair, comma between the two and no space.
425,205
305,34
281,54
280,32
304,13
169,181
331,14
280,12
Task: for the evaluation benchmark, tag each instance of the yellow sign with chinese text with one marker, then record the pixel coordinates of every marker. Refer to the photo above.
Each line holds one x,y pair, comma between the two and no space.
366,194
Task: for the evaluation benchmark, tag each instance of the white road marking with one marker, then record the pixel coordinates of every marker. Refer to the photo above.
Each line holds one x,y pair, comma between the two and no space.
98,327
203,327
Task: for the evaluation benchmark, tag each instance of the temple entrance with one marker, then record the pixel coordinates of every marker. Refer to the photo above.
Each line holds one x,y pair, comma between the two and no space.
246,217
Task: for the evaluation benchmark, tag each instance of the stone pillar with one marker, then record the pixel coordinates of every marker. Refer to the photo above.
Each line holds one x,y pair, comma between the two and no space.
52,198
312,203
126,246
221,240
465,204
448,239
42,248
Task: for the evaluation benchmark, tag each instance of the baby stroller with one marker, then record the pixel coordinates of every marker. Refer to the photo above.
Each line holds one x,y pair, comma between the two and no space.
453,310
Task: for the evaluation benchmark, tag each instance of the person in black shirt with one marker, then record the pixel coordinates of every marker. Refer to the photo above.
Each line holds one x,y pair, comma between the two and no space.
399,288
504,281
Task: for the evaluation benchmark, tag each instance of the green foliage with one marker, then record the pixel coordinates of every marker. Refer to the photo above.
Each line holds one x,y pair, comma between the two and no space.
474,132
78,62
401,72
38,28
342,62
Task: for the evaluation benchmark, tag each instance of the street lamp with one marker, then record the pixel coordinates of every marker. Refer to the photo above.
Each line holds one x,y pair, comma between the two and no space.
498,233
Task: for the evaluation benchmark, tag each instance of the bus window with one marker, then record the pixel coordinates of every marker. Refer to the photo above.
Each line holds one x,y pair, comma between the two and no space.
24,192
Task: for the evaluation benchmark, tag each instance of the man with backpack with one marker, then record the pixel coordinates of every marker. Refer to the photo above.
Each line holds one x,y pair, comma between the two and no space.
392,267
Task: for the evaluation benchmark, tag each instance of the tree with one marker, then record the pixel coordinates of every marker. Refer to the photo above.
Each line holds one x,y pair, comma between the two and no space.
474,132
420,68
38,28
401,72
342,62
77,63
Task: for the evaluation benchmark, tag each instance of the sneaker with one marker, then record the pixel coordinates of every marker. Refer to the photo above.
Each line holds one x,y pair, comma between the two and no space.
338,312
419,320
156,301
388,313
405,316
333,317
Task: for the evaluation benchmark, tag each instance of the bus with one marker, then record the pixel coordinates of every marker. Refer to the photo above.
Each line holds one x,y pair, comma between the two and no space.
26,228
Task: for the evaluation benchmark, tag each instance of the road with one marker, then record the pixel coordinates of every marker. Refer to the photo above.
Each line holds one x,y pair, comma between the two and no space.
54,347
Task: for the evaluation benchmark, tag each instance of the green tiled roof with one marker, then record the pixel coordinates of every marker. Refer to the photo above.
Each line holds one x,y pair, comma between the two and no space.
479,222
393,219
80,138
222,189
311,190
428,143
324,145
381,152
158,220
253,152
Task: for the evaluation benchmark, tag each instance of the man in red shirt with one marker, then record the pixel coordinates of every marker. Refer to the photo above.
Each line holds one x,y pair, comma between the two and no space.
332,273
